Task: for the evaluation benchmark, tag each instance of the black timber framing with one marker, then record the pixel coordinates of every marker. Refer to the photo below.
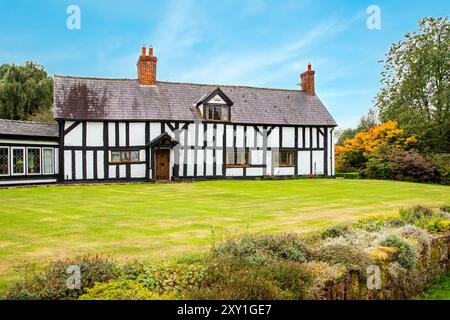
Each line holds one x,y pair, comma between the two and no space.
71,127
300,145
106,150
61,151
147,150
117,143
245,148
127,144
196,142
325,152
84,143
28,137
176,150
214,149
310,153
29,177
205,130
94,155
73,165
296,150
224,151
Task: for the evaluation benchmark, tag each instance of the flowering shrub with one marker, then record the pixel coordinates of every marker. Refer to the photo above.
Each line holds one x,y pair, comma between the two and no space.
122,289
408,255
354,153
262,249
51,284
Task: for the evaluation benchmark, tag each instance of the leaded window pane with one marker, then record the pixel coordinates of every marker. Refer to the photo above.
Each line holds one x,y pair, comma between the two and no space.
18,161
34,161
135,156
210,113
217,113
225,113
4,161
126,156
115,156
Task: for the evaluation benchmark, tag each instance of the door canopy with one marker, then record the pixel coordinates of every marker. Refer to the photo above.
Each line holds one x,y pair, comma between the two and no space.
163,141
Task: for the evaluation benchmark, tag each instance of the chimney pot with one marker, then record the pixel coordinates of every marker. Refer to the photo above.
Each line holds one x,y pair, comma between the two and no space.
308,82
146,68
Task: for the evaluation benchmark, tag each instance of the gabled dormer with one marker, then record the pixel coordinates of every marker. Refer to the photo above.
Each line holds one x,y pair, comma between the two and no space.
215,106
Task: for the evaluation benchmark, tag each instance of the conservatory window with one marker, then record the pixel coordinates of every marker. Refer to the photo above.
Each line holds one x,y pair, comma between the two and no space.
48,160
34,160
18,160
4,161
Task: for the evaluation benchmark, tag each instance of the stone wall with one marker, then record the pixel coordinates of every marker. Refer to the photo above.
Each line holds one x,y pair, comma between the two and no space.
396,283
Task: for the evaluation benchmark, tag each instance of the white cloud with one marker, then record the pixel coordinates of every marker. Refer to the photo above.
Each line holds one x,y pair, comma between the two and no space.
237,66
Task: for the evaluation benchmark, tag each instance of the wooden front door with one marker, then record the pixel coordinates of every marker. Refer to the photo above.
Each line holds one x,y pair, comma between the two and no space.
162,164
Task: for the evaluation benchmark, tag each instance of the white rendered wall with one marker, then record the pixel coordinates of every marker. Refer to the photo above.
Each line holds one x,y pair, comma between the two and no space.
137,134
75,136
94,134
318,162
304,162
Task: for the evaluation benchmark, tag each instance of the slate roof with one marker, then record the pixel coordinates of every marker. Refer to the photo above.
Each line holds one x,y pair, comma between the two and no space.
125,99
28,129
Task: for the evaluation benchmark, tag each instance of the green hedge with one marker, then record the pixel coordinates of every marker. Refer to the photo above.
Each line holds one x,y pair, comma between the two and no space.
348,175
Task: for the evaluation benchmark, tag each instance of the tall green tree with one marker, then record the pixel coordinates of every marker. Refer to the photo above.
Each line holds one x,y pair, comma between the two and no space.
24,91
416,85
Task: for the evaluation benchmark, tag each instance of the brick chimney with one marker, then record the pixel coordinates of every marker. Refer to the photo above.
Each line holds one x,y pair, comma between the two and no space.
146,67
307,79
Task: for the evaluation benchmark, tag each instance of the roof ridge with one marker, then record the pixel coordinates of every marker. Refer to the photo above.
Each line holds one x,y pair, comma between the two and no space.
232,86
27,121
185,83
93,78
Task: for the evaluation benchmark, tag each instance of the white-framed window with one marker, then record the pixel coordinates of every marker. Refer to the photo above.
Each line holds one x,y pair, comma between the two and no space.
34,160
17,160
47,161
4,161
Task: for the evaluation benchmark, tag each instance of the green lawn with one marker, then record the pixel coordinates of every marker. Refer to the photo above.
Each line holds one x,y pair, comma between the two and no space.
154,221
439,290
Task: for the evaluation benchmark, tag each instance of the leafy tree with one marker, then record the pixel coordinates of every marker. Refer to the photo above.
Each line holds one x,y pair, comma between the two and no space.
416,85
393,162
355,152
45,115
366,122
24,91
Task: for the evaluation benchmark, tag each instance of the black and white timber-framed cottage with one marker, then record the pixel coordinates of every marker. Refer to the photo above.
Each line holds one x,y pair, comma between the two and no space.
148,130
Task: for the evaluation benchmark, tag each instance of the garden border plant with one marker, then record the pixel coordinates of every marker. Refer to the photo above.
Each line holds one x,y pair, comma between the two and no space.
327,265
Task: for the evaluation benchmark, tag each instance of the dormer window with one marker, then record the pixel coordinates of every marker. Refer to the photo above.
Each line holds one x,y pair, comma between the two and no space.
217,112
215,106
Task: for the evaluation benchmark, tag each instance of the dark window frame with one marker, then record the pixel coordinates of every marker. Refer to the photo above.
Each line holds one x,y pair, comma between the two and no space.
7,162
235,156
286,163
23,166
39,166
213,107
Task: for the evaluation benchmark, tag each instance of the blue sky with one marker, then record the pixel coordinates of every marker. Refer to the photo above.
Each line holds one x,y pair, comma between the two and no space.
248,42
